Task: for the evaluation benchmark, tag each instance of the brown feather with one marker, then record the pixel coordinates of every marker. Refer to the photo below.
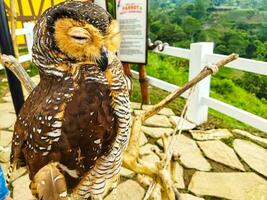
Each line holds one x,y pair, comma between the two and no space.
50,183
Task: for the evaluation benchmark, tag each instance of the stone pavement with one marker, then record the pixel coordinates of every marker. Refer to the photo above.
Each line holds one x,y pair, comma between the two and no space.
212,164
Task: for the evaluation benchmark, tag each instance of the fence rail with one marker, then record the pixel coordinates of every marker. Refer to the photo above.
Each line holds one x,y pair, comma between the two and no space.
199,55
27,31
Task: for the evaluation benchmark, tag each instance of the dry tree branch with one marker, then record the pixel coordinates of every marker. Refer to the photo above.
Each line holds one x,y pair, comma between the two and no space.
13,65
158,172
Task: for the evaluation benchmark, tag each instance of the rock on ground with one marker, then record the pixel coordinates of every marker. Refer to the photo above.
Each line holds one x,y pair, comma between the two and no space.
189,153
129,190
142,139
7,120
158,121
148,149
220,152
255,156
256,139
5,138
190,197
127,173
155,132
235,186
21,189
179,181
186,125
213,134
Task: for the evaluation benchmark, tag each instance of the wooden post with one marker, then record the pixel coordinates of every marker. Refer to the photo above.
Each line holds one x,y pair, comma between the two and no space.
143,83
127,69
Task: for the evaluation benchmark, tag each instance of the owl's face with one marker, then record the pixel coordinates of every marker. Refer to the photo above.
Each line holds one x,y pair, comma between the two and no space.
83,41
76,31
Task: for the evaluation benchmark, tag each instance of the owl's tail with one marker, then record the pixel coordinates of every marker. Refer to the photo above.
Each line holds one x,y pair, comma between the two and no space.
49,184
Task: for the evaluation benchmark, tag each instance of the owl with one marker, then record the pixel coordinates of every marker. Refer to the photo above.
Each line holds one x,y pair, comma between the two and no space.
77,118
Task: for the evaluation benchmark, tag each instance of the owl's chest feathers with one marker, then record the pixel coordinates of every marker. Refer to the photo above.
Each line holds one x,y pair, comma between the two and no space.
53,95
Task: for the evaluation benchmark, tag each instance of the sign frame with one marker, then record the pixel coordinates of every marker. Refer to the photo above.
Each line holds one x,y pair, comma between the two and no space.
146,34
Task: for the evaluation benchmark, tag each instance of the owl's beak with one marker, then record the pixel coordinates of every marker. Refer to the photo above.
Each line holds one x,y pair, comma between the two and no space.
103,60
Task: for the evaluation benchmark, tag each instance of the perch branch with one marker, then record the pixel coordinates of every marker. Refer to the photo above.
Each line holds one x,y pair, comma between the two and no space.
131,155
11,63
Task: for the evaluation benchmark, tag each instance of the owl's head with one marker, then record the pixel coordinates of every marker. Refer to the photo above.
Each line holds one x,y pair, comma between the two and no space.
78,31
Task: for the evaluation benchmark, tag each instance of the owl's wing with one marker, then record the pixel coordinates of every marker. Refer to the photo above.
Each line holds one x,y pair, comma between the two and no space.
38,125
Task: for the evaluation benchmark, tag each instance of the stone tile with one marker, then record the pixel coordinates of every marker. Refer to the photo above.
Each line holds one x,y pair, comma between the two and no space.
166,111
257,193
186,124
5,138
189,154
256,139
7,99
142,139
7,119
19,173
127,173
156,132
129,190
21,189
220,152
255,156
6,108
158,121
147,149
5,154
214,134
138,112
179,181
136,106
235,186
190,197
151,159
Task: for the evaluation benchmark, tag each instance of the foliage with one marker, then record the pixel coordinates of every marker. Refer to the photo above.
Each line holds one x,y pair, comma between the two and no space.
234,26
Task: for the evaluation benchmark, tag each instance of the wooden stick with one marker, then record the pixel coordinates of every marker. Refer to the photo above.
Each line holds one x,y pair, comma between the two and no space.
13,19
131,155
203,74
11,63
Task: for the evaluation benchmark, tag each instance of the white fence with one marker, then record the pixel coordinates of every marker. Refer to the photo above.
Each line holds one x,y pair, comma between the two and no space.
199,55
28,32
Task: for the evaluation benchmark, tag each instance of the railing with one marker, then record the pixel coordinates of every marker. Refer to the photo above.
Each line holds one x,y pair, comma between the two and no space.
199,55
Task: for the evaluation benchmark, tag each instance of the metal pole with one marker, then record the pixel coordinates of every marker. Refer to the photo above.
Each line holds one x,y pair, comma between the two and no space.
7,48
